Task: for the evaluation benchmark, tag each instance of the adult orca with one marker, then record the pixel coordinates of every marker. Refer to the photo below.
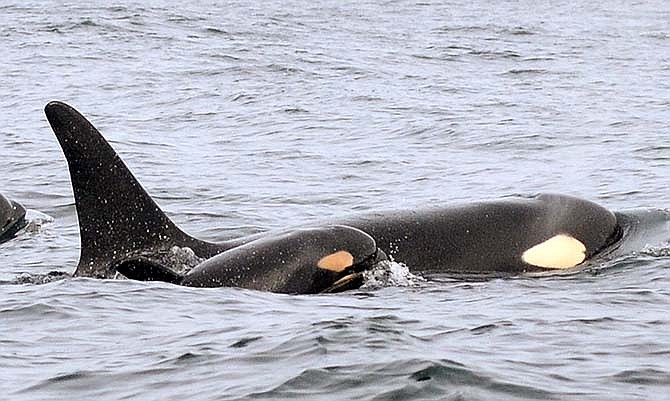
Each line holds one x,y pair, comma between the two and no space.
12,218
120,222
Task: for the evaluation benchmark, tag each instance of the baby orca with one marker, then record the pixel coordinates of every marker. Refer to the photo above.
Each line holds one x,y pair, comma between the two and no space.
301,261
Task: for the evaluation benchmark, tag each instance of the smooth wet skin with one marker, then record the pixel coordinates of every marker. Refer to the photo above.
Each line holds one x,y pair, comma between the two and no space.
489,236
301,261
12,218
505,236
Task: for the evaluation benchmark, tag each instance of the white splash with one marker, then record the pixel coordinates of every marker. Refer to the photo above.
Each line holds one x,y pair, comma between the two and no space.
36,221
656,251
183,259
390,274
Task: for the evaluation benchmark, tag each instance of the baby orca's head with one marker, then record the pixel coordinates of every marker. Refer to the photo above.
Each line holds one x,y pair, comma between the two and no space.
357,253
300,261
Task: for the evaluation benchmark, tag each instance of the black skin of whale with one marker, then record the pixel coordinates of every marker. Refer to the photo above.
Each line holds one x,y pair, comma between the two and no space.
12,218
119,221
294,258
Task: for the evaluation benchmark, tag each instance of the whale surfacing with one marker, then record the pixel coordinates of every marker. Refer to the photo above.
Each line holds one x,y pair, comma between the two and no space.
123,229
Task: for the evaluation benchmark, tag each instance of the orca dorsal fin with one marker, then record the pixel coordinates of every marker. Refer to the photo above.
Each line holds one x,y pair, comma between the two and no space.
117,217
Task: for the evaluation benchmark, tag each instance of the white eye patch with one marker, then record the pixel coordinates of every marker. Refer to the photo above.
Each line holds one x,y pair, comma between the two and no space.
558,252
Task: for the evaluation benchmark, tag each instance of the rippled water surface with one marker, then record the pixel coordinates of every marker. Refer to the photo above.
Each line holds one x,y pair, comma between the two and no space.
241,117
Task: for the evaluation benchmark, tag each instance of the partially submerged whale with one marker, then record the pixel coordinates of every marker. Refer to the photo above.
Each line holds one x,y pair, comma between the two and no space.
12,218
123,229
300,261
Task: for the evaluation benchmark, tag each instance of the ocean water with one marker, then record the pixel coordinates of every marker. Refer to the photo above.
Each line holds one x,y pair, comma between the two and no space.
241,117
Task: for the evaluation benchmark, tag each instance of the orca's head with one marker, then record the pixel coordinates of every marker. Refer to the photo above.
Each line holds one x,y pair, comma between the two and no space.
299,261
343,253
12,218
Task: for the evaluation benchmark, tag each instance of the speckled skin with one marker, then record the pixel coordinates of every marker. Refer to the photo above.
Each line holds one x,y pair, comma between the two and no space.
477,238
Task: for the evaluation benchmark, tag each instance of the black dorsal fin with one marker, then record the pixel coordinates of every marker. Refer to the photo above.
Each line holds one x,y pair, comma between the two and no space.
117,218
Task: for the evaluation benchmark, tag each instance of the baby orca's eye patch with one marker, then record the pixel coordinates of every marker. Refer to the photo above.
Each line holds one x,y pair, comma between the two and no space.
337,261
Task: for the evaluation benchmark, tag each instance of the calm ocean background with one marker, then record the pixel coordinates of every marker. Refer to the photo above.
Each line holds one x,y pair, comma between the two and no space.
240,117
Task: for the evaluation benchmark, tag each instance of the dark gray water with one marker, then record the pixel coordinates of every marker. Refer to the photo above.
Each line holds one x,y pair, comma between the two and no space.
247,116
